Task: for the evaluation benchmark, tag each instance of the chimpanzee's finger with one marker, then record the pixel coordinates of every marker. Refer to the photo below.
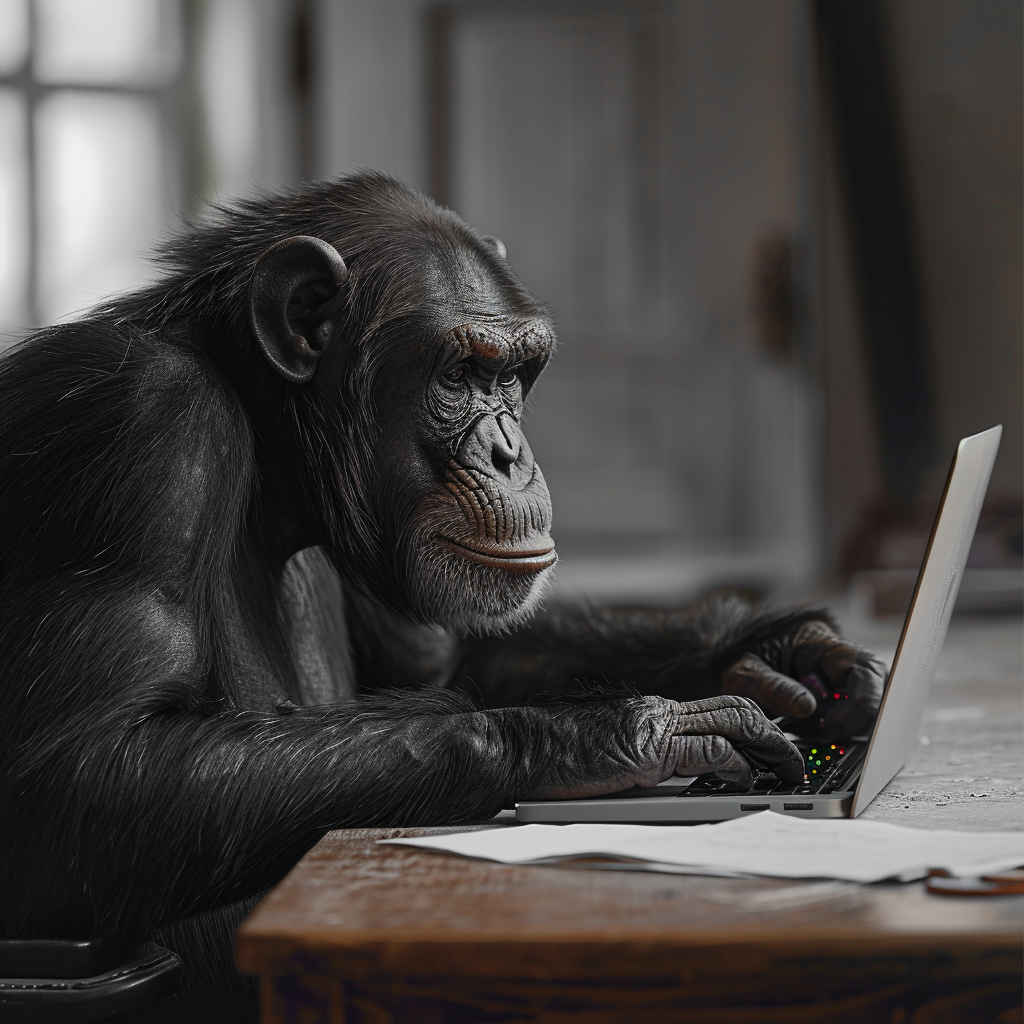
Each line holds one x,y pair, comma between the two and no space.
742,723
816,649
864,683
700,755
811,643
861,674
773,692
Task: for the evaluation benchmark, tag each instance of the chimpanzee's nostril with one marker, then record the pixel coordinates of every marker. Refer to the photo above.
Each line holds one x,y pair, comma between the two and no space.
501,462
513,436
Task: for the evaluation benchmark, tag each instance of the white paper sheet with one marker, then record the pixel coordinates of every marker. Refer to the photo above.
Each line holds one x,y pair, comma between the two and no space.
767,844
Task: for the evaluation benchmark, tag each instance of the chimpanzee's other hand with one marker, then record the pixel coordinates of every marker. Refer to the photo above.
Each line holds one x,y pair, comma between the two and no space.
814,675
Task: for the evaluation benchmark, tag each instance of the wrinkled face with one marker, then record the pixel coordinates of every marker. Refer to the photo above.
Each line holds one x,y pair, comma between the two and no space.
476,551
407,384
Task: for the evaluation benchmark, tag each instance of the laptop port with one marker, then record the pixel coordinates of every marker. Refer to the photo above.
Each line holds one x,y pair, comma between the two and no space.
756,807
798,807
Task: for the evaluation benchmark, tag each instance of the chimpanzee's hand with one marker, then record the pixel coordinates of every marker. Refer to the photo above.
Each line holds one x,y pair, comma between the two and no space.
726,735
813,675
659,738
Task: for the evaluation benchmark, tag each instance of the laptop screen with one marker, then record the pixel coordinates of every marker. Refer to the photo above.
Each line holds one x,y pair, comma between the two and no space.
924,629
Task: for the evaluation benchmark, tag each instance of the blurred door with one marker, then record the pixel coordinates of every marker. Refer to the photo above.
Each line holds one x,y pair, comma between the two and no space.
642,164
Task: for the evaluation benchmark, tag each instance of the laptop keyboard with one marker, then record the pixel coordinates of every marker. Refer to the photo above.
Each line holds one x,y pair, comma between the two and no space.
829,768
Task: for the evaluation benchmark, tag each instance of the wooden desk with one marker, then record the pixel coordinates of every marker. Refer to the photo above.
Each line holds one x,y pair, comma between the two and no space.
365,933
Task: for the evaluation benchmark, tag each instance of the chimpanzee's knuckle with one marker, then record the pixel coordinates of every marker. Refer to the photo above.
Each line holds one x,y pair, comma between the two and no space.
749,720
711,751
719,748
812,631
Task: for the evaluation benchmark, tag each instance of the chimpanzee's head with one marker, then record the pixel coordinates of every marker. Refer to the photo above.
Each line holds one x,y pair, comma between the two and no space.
408,348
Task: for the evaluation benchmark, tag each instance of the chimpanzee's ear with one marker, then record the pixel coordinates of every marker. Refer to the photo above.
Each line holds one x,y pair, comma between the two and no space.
496,244
291,285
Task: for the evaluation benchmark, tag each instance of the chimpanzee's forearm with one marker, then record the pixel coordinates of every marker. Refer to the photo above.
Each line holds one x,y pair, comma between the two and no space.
172,816
677,654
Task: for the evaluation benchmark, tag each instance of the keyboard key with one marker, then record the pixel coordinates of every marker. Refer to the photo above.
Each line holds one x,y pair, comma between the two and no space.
764,782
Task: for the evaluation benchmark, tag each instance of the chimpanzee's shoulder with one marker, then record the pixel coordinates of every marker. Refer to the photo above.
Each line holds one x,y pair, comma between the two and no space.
111,430
110,374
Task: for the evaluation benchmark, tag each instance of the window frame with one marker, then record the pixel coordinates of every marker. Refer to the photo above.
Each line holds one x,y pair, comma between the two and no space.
178,106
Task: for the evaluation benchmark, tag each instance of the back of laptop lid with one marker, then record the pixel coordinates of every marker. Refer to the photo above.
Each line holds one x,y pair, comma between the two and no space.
924,631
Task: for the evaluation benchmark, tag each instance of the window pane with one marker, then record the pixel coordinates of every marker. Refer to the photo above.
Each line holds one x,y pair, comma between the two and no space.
13,34
14,218
101,197
108,41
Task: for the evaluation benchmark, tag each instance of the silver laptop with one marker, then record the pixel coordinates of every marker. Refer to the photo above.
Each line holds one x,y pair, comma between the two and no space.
842,778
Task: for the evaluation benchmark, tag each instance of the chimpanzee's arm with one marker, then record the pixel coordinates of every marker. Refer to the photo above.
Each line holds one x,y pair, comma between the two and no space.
159,810
790,663
134,788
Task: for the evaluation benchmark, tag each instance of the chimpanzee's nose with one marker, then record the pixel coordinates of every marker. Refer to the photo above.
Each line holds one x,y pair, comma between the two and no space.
496,446
506,443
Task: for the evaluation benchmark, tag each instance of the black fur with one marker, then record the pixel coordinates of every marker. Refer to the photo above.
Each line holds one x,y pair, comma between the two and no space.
677,654
180,721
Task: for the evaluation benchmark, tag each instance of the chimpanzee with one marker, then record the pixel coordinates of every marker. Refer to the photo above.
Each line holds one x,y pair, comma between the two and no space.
271,545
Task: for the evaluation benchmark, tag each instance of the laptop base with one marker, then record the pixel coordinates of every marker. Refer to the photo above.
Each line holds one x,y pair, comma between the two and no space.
671,810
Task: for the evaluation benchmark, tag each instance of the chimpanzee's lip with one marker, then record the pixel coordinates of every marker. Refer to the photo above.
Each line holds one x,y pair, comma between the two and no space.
513,559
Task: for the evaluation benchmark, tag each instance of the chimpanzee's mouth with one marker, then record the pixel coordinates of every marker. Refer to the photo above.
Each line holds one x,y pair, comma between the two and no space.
512,559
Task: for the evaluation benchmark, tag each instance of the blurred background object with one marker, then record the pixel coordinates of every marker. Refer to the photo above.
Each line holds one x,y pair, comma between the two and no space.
781,239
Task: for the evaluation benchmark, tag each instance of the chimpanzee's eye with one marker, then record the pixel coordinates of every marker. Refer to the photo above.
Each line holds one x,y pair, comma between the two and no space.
507,377
456,375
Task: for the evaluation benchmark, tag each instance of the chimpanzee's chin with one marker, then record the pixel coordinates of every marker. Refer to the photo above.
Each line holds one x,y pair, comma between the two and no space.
466,597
